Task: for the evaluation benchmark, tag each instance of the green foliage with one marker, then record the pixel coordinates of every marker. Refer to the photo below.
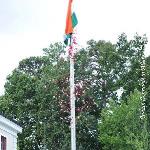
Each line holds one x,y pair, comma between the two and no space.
130,78
121,126
37,92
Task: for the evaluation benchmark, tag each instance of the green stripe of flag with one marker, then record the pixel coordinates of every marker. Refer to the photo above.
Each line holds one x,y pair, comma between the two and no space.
74,19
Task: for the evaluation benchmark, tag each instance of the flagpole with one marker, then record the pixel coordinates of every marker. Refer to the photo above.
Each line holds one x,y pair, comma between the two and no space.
71,22
72,98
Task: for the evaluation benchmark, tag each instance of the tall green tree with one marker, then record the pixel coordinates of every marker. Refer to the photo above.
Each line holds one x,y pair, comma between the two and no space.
130,77
37,93
121,126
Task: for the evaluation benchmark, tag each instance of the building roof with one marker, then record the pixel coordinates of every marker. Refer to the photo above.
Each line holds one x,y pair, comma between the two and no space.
1,114
10,124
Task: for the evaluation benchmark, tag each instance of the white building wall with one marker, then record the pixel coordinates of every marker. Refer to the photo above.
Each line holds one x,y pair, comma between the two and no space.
11,139
15,142
9,130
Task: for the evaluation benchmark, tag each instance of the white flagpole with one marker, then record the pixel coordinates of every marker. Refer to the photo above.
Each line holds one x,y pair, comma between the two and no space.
72,99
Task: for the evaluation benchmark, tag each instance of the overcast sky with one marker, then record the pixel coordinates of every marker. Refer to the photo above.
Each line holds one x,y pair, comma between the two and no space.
28,26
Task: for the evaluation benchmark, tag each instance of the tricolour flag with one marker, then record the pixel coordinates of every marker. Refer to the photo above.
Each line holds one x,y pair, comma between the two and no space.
71,22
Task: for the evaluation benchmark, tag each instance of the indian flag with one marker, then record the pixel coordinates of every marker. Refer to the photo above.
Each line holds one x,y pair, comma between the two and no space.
71,22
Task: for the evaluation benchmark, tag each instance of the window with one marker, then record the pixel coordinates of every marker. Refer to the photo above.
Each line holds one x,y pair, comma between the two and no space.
3,143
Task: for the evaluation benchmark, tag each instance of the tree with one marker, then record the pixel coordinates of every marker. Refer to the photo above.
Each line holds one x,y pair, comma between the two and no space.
121,126
130,77
37,93
22,106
